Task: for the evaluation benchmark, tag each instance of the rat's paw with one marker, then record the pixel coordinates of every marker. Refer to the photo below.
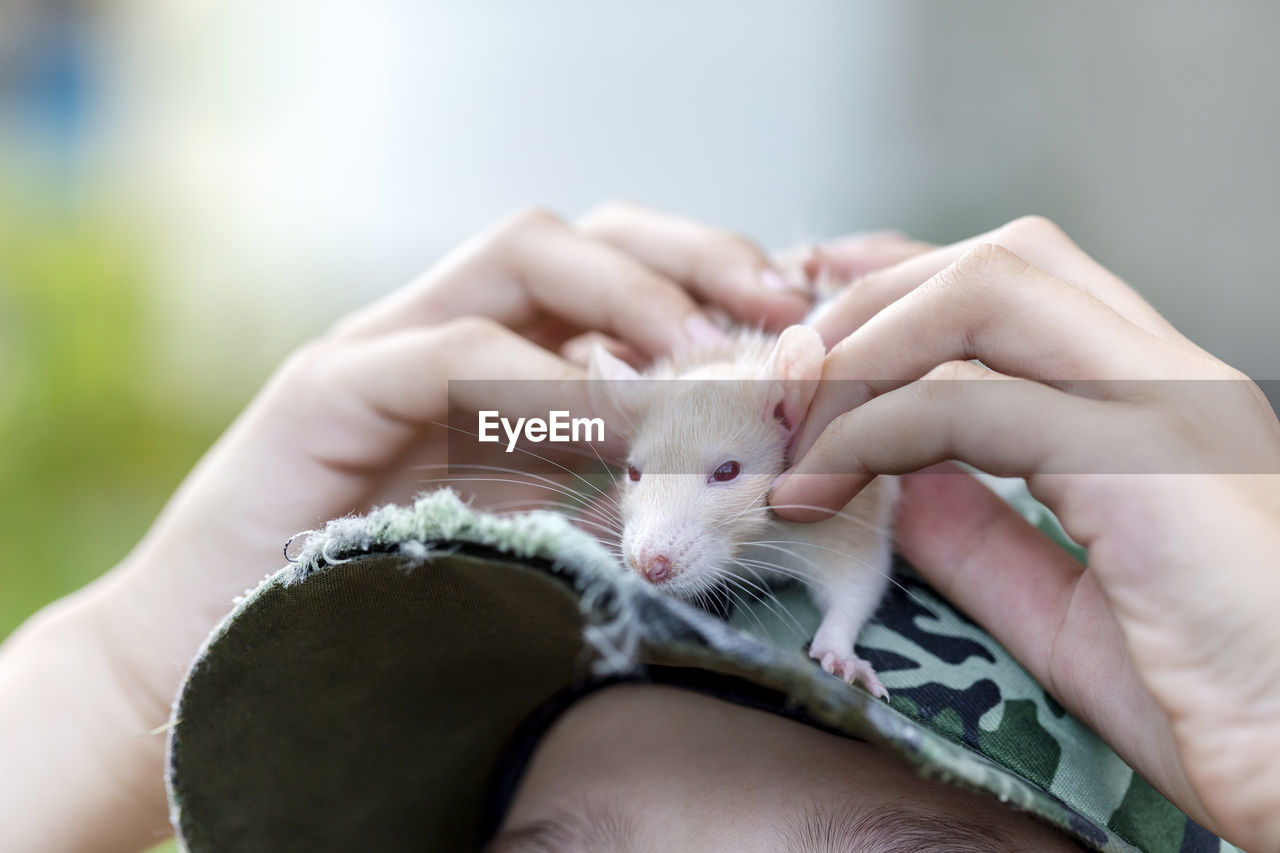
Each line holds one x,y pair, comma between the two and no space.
851,669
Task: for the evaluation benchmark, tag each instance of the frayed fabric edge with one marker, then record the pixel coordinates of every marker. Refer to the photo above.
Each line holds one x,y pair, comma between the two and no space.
438,522
615,606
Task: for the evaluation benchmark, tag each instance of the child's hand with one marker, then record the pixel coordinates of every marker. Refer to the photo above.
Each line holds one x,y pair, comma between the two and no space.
1168,645
336,430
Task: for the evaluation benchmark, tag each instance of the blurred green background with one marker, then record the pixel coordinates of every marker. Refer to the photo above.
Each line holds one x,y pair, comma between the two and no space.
91,445
189,189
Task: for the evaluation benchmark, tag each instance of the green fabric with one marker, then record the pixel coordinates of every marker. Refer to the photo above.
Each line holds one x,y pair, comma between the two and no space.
326,712
357,699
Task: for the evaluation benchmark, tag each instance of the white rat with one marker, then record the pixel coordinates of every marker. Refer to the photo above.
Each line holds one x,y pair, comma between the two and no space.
703,455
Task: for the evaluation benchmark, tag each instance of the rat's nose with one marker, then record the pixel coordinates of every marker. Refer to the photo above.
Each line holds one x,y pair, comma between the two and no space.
657,568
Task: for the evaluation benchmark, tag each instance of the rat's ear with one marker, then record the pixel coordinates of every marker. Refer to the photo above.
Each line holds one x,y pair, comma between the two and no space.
605,365
610,397
792,371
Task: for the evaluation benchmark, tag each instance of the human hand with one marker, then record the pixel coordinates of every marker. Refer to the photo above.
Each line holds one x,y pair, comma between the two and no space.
346,423
1168,643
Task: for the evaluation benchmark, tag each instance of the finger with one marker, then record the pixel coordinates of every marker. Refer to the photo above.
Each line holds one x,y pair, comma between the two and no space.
718,266
1037,601
847,258
369,400
959,411
578,349
980,554
993,306
1035,239
533,264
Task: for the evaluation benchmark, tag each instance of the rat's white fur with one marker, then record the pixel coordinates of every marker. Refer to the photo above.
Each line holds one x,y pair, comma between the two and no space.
758,389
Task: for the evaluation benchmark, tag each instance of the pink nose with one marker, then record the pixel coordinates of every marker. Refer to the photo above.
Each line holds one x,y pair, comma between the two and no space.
657,568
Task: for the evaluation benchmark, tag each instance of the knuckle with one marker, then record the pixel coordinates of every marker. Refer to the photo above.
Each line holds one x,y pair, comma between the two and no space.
643,291
831,451
608,213
309,358
470,330
950,371
344,328
1156,425
1220,389
836,433
1032,229
533,218
948,389
983,266
1164,439
565,371
724,240
719,250
474,327
989,260
307,375
1216,369
843,370
875,289
738,247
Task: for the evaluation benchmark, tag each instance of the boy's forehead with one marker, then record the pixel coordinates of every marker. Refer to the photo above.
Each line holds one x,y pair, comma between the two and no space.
695,765
821,828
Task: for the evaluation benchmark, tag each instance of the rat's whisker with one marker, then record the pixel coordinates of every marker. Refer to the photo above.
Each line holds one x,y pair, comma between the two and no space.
796,574
568,509
709,458
576,520
807,544
862,522
568,491
778,545
704,600
774,605
572,514
573,520
468,466
546,459
741,604
758,504
763,594
608,469
528,476
770,543
789,572
836,513
764,543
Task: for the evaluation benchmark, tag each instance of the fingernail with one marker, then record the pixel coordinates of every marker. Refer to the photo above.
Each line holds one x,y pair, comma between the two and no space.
774,280
779,282
701,331
862,238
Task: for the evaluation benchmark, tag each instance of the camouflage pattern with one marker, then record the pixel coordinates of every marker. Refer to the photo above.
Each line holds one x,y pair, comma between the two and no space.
961,709
946,674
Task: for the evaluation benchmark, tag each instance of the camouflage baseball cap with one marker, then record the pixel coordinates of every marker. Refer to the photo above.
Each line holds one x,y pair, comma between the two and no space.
360,697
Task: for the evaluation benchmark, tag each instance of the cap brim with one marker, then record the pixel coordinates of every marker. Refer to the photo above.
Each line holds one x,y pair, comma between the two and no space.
358,698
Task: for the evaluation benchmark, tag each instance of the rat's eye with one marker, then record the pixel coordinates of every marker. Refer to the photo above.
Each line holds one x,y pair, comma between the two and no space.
634,473
725,472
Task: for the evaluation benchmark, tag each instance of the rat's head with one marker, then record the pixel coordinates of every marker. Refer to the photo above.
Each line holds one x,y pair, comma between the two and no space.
704,449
